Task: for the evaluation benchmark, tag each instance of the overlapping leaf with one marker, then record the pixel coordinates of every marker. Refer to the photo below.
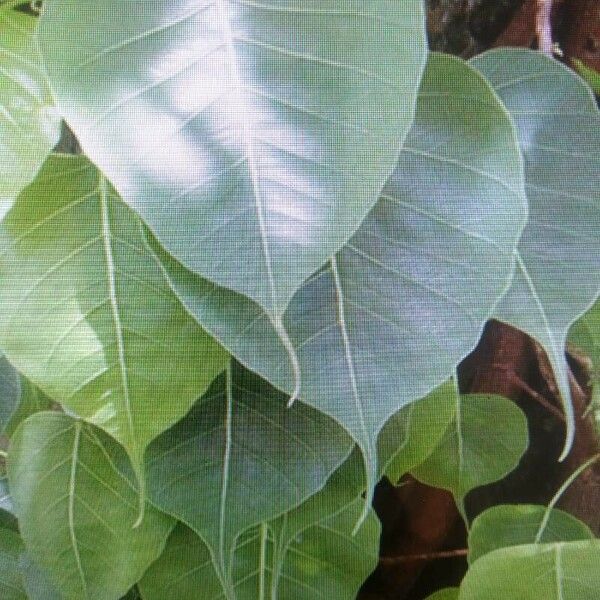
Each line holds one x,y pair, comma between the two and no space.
390,316
11,582
557,277
10,392
239,458
484,443
512,525
87,313
267,128
559,571
76,511
29,125
325,561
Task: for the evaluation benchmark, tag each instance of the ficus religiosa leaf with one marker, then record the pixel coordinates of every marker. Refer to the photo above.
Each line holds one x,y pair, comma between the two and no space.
239,458
11,581
32,400
557,571
513,525
445,594
267,128
87,314
29,124
323,562
484,443
76,510
36,581
387,319
557,276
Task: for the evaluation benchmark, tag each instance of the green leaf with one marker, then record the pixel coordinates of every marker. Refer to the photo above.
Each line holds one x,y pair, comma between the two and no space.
325,561
11,584
412,434
111,342
268,128
29,124
36,582
445,594
76,511
244,458
557,277
10,392
32,400
560,571
388,319
484,443
585,334
591,76
514,525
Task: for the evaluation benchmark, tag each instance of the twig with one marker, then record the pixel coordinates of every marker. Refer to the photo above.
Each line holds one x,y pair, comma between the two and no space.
392,560
543,26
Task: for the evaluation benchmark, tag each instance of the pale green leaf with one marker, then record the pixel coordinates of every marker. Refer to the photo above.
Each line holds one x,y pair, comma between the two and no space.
514,525
557,277
76,511
324,562
411,435
87,314
388,319
36,581
560,571
268,128
32,400
11,583
484,443
29,124
239,458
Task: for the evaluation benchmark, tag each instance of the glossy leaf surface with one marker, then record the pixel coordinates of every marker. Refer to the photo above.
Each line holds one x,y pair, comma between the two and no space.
241,457
483,444
561,571
557,276
88,315
29,124
274,124
387,320
76,511
512,525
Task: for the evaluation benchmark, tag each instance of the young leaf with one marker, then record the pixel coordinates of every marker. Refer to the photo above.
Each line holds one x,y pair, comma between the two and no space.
324,562
29,124
483,444
387,320
87,314
11,583
239,458
559,571
411,435
557,276
76,510
514,525
267,128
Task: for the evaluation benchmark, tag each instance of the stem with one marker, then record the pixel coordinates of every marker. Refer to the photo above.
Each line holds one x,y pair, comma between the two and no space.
543,26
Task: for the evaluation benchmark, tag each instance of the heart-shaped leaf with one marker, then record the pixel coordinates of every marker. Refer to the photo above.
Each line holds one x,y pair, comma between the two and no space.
87,313
484,443
274,125
29,124
557,277
389,317
560,571
239,458
76,511
325,561
513,525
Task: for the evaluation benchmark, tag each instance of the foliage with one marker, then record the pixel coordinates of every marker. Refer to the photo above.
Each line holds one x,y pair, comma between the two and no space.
247,300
